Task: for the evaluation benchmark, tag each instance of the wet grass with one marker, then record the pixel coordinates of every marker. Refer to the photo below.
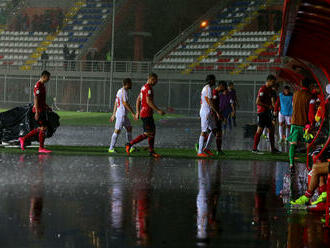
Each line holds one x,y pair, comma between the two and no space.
164,152
72,118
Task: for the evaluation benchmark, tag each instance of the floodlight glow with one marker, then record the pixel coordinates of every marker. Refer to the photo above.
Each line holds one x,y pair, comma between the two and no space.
204,24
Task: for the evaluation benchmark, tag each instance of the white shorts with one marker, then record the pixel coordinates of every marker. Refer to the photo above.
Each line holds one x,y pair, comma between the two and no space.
207,122
284,118
122,121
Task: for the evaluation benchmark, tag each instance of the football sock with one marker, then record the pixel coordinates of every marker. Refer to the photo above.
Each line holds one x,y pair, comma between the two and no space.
41,138
151,141
308,194
129,136
138,139
322,188
229,123
272,140
291,153
256,141
201,144
219,143
287,132
31,134
113,140
209,141
280,130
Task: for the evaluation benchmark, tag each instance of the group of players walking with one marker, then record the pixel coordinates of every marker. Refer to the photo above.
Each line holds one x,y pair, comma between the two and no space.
145,108
218,107
218,110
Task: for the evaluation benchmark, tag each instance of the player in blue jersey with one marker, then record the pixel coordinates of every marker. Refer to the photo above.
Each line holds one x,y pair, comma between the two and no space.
285,113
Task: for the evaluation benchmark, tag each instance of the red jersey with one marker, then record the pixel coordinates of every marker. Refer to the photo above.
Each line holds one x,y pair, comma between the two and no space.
146,110
277,107
313,106
215,97
265,95
40,93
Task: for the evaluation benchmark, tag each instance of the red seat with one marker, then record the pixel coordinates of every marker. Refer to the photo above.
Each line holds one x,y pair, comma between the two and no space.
230,68
262,68
223,60
8,62
260,60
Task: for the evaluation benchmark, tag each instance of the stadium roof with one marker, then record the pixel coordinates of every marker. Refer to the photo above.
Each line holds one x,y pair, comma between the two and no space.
306,32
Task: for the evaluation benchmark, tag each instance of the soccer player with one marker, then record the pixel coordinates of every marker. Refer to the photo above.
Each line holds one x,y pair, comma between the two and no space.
319,170
226,105
301,100
207,118
275,88
120,109
232,93
216,92
285,113
264,107
40,110
145,108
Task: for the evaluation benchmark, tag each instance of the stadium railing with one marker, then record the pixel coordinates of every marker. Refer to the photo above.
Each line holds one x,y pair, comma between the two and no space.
80,66
133,66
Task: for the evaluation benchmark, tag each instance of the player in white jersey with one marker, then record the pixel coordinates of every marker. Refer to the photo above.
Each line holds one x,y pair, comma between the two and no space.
207,114
120,111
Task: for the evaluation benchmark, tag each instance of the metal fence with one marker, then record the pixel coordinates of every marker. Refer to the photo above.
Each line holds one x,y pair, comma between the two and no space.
133,66
71,92
79,66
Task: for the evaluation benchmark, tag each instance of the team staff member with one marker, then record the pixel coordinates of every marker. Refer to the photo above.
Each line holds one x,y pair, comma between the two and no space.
301,100
264,108
40,109
145,108
120,111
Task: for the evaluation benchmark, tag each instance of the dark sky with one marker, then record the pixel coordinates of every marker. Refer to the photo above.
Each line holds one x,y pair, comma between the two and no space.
164,19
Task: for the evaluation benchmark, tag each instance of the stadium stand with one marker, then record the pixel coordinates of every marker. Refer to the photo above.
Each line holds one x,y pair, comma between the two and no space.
81,21
4,4
222,46
18,46
88,19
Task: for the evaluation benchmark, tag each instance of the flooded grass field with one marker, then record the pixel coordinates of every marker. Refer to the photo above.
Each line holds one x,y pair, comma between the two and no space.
70,201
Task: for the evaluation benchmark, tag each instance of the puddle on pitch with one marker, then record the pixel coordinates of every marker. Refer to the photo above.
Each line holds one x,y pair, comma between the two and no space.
170,133
63,201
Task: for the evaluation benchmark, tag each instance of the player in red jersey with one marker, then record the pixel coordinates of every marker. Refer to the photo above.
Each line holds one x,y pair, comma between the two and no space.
264,108
40,109
145,108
